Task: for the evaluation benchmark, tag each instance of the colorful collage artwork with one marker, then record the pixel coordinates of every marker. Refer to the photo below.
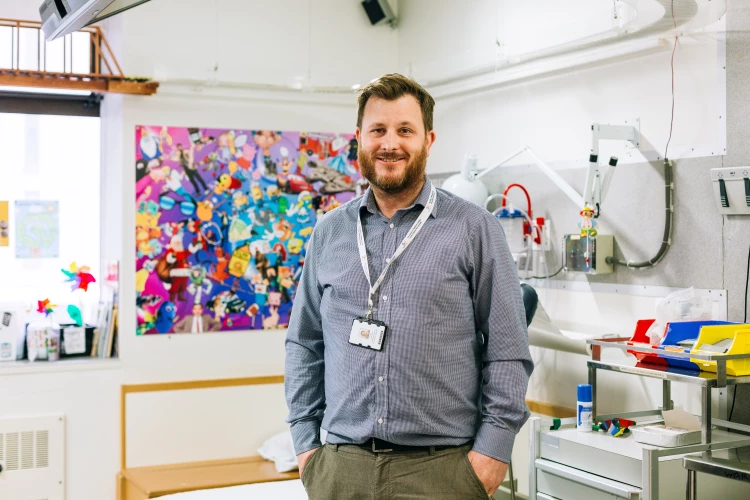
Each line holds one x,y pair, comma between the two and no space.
223,220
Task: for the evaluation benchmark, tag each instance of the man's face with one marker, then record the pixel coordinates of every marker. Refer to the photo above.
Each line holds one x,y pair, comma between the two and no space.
393,145
197,310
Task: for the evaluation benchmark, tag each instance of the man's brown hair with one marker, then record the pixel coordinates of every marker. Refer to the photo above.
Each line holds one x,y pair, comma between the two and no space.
393,86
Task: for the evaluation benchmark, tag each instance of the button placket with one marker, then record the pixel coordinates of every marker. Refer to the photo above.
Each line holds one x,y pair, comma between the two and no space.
383,243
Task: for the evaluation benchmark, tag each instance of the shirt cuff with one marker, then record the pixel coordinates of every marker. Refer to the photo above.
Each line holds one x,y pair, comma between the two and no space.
494,442
306,436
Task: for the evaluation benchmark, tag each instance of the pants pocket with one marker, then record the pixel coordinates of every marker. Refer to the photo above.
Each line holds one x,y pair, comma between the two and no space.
475,479
310,462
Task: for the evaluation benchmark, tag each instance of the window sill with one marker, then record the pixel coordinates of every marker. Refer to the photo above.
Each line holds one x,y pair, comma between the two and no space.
65,365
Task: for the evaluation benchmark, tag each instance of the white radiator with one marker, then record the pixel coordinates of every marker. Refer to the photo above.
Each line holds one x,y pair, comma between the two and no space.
32,457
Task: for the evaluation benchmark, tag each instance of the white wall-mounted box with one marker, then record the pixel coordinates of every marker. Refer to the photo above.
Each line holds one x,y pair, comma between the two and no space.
732,190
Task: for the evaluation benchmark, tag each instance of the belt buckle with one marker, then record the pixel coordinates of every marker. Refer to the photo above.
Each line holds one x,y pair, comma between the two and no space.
385,450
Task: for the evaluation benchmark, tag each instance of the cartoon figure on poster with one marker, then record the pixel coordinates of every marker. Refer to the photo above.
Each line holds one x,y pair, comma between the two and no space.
223,220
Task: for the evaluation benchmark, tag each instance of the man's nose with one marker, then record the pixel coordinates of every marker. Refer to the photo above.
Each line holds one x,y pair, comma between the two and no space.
389,141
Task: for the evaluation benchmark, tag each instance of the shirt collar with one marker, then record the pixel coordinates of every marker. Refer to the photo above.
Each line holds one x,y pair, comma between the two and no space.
368,200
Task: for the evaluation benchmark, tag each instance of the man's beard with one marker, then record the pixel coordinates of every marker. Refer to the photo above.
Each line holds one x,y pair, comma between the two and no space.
414,172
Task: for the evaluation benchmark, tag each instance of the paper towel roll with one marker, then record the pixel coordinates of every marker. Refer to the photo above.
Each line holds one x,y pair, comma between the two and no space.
543,333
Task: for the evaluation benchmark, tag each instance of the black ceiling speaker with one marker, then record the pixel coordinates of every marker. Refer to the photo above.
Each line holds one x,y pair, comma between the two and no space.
379,12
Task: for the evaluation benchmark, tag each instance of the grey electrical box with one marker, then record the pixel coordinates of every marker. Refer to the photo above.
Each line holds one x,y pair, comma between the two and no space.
588,255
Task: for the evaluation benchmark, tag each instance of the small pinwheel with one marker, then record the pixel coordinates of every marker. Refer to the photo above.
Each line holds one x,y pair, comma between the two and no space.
80,277
45,307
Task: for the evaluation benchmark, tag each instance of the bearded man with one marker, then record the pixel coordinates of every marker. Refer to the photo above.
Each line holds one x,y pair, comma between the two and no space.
407,342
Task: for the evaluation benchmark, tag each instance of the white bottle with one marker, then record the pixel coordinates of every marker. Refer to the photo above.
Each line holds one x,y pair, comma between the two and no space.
584,408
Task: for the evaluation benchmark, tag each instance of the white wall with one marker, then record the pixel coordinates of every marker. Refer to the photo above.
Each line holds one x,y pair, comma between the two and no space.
275,42
89,401
25,11
487,33
553,114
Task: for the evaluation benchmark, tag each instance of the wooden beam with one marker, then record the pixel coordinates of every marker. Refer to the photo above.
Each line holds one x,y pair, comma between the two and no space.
130,87
73,82
550,410
15,22
123,428
99,56
109,50
96,60
203,384
53,83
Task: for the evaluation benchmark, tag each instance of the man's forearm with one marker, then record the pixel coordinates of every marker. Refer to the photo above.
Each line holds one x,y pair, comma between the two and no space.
504,409
305,392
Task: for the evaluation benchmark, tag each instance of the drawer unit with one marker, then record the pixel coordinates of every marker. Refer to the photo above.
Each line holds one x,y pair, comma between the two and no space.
573,465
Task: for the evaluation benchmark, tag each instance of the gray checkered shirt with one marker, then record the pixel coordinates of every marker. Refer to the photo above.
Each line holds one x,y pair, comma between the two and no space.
455,363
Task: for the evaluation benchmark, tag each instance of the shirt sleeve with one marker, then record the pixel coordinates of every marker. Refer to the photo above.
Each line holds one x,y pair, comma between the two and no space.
304,367
500,316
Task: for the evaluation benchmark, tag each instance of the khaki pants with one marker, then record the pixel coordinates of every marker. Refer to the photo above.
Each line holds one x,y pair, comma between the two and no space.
348,472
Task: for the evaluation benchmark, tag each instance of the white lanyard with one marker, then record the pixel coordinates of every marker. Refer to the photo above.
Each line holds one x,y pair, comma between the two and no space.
415,228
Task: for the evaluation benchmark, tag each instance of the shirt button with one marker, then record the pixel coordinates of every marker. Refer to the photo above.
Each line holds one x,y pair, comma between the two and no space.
387,261
385,297
380,420
392,226
380,379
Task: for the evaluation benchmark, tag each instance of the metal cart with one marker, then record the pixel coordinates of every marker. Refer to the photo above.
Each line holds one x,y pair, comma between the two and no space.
729,464
598,466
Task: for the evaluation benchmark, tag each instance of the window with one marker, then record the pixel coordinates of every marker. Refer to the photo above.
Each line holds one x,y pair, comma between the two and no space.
50,159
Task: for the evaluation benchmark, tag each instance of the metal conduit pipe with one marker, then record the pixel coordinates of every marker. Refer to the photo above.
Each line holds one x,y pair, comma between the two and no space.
667,239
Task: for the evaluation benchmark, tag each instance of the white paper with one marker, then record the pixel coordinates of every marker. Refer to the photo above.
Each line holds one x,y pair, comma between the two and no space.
680,419
75,340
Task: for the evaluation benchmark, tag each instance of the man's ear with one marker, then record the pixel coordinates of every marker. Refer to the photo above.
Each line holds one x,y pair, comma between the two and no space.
430,140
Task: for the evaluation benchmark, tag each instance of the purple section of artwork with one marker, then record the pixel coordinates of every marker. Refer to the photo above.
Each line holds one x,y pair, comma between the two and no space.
223,219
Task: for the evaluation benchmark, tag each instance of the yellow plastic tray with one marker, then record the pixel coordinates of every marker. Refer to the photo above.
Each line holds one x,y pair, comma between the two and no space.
740,345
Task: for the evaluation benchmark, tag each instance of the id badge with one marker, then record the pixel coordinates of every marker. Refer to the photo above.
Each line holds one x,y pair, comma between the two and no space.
368,333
